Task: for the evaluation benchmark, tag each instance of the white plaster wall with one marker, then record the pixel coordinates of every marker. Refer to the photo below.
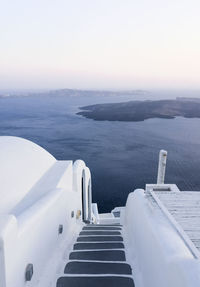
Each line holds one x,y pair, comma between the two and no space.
162,257
44,199
37,235
59,175
31,235
22,164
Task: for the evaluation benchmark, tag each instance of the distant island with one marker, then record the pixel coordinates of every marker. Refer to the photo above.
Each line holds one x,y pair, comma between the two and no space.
73,93
107,93
142,110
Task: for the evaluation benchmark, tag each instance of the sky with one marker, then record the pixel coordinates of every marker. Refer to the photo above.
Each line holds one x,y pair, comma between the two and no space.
100,44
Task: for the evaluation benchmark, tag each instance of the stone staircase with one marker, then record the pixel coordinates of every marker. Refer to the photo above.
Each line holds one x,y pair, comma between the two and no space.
98,259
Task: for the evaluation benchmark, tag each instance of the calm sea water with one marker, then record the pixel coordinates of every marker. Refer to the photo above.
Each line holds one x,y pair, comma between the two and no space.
122,156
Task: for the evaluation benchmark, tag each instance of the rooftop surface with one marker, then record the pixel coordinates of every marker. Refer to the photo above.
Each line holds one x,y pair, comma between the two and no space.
182,208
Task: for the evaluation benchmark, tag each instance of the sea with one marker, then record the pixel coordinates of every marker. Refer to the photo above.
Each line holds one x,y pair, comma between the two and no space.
122,156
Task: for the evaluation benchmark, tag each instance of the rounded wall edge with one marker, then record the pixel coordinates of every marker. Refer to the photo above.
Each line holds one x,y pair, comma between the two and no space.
22,165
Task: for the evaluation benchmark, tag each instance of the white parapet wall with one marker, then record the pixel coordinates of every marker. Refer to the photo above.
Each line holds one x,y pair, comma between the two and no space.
41,207
22,164
161,254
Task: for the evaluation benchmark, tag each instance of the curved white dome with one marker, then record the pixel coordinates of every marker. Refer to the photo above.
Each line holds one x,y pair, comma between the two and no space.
22,163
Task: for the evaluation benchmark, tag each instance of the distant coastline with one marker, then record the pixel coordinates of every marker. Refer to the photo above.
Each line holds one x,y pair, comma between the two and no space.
135,111
73,93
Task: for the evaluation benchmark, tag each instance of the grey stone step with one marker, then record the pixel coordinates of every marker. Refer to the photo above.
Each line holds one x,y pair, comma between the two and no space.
114,224
97,268
99,238
86,246
100,233
117,213
108,281
103,255
101,228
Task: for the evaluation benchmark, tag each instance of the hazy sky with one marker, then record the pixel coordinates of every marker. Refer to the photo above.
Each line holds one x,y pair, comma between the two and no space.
118,44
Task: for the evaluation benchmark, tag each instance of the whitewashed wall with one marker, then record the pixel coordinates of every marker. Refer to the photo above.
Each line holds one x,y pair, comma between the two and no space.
41,194
162,257
22,163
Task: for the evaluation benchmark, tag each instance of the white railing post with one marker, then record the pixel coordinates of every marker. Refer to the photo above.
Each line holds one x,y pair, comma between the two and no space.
95,212
162,166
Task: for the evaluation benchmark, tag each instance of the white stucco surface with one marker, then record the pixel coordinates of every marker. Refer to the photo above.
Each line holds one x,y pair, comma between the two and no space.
22,164
156,248
38,194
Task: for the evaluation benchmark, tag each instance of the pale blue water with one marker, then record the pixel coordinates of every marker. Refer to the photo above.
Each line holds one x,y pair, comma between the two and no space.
122,156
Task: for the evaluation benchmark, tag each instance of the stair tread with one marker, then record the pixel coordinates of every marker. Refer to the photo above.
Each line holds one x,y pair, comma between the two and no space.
114,224
106,232
97,268
99,238
101,228
108,281
102,255
113,245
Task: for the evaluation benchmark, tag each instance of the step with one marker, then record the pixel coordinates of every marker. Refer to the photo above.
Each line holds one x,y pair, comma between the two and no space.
116,213
101,228
114,224
103,255
97,268
107,281
99,238
86,246
100,233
